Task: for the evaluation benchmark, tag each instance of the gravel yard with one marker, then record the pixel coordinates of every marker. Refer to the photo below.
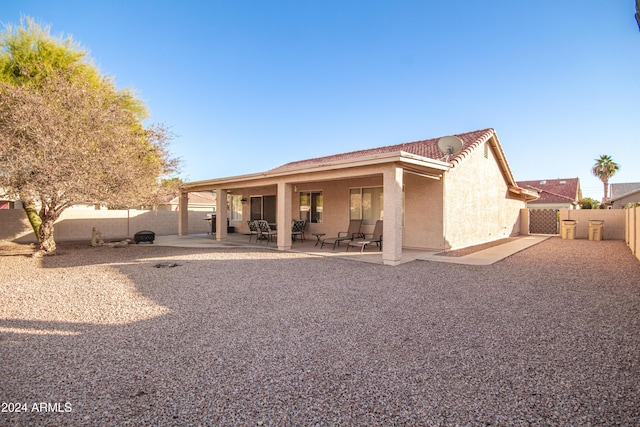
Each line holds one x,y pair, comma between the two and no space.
239,337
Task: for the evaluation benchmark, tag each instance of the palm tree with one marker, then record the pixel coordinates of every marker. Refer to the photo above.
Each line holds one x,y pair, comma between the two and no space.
604,169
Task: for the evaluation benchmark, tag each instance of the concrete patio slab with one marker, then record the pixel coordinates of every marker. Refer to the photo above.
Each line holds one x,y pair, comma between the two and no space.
484,257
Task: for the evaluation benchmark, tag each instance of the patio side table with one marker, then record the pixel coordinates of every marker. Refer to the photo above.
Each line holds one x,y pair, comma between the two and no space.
318,236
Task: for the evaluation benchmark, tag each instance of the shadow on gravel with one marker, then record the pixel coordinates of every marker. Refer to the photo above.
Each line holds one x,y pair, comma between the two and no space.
548,336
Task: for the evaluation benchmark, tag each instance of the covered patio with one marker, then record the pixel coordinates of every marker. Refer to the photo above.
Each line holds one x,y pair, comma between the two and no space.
428,201
279,192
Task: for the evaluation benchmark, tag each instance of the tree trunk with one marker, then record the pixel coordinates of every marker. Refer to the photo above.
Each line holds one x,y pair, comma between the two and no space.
45,237
32,215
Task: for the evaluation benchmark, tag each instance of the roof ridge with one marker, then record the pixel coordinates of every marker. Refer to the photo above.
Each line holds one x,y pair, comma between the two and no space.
404,146
488,133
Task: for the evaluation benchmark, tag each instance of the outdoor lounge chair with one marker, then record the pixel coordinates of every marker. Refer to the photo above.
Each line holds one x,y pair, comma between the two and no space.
376,237
253,230
350,234
297,230
266,233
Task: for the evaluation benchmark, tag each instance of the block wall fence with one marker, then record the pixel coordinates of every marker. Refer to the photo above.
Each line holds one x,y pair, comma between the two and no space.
632,235
76,224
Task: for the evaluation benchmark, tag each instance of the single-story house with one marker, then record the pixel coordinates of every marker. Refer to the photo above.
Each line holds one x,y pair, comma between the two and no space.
622,194
428,199
561,193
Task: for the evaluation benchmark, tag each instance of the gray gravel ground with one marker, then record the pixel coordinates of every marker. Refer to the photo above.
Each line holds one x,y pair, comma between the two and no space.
548,336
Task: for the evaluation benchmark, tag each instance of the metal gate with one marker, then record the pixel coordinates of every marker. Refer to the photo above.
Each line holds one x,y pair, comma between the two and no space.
543,221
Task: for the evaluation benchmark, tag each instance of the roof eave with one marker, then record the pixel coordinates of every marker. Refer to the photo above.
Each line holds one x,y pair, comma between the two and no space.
528,194
394,157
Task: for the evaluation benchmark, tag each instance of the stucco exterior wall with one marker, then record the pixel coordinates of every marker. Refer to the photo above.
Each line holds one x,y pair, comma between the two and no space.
423,214
478,205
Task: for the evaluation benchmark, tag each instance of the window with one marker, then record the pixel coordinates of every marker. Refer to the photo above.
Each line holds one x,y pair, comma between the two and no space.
366,204
311,206
234,201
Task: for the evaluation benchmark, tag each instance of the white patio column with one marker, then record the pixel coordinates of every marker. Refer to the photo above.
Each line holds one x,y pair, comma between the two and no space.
283,216
221,214
183,214
392,226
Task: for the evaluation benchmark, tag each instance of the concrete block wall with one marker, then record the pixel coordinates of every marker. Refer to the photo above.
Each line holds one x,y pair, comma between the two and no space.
632,237
76,224
614,222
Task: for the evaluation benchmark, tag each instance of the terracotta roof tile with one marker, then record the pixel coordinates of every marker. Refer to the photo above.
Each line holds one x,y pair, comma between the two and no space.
427,148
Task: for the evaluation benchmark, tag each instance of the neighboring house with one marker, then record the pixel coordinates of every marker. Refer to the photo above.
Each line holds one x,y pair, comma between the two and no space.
204,201
561,193
427,200
7,202
624,193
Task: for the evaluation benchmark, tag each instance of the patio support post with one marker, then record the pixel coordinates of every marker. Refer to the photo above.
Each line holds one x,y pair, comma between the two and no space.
221,214
283,215
183,214
392,226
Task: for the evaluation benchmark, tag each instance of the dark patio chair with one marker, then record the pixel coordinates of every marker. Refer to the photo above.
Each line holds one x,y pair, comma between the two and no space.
253,230
297,229
376,237
352,233
266,233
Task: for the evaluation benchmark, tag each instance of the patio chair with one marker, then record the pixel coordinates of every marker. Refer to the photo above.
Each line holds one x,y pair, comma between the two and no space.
376,237
266,233
297,229
253,230
350,234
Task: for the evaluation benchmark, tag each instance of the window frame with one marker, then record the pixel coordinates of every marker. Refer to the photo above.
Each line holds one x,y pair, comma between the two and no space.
234,207
313,212
358,212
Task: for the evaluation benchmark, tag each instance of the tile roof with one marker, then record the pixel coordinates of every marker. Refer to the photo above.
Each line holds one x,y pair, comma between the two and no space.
619,190
561,190
427,148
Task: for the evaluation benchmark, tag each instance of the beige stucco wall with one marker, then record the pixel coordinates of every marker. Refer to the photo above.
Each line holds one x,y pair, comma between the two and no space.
635,241
614,222
632,225
478,205
423,213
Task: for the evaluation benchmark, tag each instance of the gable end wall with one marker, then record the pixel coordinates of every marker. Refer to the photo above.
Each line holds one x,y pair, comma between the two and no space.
478,205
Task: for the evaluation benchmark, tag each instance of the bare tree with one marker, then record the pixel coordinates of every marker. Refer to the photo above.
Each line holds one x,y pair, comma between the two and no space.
68,136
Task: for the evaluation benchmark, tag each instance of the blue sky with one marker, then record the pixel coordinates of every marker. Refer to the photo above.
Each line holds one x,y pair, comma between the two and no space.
249,85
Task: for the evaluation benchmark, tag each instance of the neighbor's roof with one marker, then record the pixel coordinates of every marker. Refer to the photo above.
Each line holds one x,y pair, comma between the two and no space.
622,189
561,190
427,148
